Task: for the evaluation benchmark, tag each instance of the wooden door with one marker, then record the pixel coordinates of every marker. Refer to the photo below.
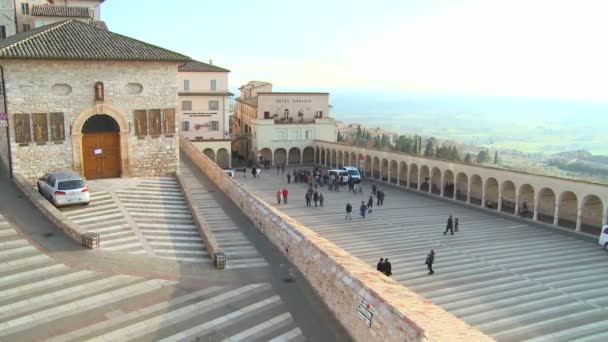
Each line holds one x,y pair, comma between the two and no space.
101,155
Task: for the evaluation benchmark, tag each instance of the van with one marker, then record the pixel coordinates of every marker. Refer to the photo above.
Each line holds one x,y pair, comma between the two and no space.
340,174
229,172
353,173
604,237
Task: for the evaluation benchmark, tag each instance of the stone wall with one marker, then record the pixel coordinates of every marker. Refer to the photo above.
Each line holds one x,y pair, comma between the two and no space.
3,148
339,278
35,86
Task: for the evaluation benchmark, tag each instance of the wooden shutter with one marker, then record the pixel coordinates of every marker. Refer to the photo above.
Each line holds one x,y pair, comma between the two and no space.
22,128
40,127
141,123
154,120
169,115
57,127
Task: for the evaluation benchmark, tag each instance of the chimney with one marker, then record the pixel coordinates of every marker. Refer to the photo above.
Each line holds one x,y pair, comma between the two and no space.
211,61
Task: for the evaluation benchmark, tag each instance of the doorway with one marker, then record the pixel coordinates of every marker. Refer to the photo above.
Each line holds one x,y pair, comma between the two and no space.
101,147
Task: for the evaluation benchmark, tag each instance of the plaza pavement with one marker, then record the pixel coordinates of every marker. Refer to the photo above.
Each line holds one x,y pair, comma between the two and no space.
54,290
512,280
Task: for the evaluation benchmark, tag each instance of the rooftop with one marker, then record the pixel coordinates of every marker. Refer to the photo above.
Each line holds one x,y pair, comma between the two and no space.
60,11
75,40
196,66
291,93
251,101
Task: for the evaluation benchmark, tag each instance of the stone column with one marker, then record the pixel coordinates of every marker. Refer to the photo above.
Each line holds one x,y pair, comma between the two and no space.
579,217
499,204
441,185
454,197
407,178
536,202
418,185
556,215
399,174
302,157
603,219
388,174
484,188
516,203
469,190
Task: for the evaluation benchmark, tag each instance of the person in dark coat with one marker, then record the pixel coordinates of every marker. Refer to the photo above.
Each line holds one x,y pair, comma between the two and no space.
380,197
308,196
374,189
449,226
370,203
380,265
387,268
253,172
430,259
456,224
363,209
288,177
315,198
321,199
349,210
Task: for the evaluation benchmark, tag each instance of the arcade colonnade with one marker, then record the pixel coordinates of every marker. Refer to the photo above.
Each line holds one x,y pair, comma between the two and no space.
577,205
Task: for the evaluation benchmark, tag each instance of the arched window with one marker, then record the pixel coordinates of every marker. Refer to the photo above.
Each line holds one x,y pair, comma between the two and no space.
286,113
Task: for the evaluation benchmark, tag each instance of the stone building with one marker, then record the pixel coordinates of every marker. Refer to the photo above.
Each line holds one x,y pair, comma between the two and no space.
204,99
280,127
102,110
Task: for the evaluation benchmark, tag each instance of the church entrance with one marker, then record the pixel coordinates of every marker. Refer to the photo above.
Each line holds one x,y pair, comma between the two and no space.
101,147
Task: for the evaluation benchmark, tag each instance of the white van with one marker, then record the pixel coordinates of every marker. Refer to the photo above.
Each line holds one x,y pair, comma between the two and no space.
604,237
339,175
353,173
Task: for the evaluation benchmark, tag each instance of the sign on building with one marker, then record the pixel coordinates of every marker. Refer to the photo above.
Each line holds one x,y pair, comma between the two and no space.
365,312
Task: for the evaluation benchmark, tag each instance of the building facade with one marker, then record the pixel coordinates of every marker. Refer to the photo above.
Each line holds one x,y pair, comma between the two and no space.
204,104
100,110
280,127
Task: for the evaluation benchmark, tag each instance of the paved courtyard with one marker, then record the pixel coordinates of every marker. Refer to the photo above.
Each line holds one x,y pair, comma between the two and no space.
512,280
53,290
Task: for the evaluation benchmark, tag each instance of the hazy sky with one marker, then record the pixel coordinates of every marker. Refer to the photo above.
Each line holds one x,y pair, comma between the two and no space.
531,48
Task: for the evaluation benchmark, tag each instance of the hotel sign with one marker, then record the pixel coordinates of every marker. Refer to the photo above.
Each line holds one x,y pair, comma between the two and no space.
293,101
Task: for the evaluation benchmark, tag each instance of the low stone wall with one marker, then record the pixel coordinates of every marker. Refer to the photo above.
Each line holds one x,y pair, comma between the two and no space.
203,228
345,283
90,240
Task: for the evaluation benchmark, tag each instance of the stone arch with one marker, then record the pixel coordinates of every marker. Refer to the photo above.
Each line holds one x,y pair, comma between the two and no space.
266,154
384,170
317,156
546,205
476,189
462,186
123,126
448,183
592,215
210,153
347,159
294,155
526,195
223,158
376,168
353,160
491,185
403,174
394,172
368,166
436,181
413,176
322,156
340,161
280,156
332,160
508,197
568,210
425,178
308,155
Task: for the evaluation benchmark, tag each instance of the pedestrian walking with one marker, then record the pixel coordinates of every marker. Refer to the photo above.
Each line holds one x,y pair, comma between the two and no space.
253,172
456,224
380,265
430,259
349,210
370,204
288,177
381,196
449,226
378,197
244,172
285,193
321,199
308,196
363,209
374,188
279,196
315,198
387,268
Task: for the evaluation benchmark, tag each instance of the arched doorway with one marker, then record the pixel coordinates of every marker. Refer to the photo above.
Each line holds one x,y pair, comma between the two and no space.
476,189
346,159
376,168
436,181
414,176
384,170
593,210
368,167
568,210
546,205
491,193
209,153
266,154
294,156
403,174
322,158
353,160
101,147
340,162
425,178
394,172
280,156
308,155
223,158
332,161
526,198
508,197
448,184
462,187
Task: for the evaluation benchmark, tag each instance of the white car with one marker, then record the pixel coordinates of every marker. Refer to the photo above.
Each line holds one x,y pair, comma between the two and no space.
63,188
229,173
604,237
353,173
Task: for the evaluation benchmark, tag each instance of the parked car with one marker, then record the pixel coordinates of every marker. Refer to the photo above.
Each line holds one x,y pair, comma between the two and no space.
63,188
353,173
604,237
341,175
229,172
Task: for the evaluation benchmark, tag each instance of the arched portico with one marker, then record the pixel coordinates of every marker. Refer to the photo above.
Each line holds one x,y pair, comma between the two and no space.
568,210
210,153
267,154
394,176
436,181
384,170
526,198
491,193
448,184
592,215
368,166
376,168
280,156
223,158
508,197
425,178
403,174
123,127
308,155
294,156
413,179
546,205
476,192
462,187
340,161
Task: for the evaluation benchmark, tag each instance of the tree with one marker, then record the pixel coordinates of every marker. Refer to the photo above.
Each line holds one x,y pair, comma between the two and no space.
340,138
468,158
483,156
429,150
496,157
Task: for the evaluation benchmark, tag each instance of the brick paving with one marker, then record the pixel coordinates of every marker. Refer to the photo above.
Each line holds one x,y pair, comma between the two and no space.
512,280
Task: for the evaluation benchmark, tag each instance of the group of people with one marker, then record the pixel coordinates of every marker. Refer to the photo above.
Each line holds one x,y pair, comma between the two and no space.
313,196
452,226
282,195
384,266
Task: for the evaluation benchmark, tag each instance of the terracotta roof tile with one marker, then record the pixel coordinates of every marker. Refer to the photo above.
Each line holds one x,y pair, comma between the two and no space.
197,66
60,11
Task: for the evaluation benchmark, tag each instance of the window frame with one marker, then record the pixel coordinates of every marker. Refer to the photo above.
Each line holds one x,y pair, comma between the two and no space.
186,85
217,105
189,105
213,85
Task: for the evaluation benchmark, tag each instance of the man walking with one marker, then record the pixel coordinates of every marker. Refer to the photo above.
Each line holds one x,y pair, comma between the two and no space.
381,197
449,226
374,189
315,198
378,197
430,259
363,209
307,197
380,265
321,199
288,177
285,193
370,204
349,210
387,268
279,196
